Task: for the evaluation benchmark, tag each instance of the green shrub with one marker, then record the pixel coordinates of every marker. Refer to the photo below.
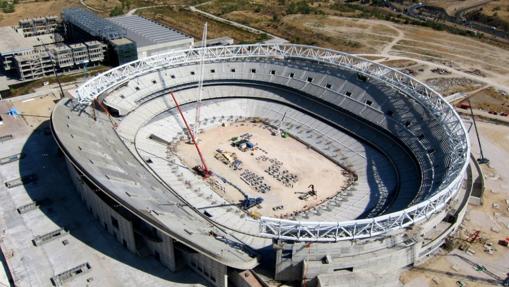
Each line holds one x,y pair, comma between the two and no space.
116,11
300,7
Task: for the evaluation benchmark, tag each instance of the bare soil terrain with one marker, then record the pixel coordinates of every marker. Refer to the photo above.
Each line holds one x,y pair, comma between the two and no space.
36,110
26,10
309,166
192,24
490,100
478,62
497,8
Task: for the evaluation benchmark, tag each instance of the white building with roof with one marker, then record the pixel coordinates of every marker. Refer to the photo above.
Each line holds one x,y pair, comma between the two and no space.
152,38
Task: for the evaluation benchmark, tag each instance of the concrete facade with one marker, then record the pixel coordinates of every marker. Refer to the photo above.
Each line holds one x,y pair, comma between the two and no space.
31,49
95,50
40,63
34,65
37,26
63,57
119,224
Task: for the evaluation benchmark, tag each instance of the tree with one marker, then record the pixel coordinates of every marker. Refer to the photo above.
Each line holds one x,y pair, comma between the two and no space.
300,7
9,8
116,11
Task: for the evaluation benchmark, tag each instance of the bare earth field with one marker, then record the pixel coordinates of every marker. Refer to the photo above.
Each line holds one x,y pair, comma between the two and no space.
33,113
500,8
35,9
192,24
102,5
470,64
309,166
481,63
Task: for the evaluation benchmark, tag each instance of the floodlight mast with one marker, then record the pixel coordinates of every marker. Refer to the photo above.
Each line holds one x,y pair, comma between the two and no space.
200,83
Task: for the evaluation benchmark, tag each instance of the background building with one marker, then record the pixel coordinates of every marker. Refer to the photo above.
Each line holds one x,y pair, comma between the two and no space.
38,26
35,48
80,24
151,38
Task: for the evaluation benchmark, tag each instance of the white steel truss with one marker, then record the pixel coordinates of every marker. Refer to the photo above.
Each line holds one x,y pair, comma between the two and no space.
304,230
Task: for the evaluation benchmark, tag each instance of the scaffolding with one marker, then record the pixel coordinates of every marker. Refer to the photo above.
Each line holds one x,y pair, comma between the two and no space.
93,24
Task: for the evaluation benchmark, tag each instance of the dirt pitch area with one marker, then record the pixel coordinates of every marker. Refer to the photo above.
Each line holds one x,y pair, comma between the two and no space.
309,167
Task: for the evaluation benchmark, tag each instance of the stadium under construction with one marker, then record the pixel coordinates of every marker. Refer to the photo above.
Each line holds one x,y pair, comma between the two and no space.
254,164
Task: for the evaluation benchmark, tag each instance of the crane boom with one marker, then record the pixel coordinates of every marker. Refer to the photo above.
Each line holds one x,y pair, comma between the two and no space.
200,83
204,171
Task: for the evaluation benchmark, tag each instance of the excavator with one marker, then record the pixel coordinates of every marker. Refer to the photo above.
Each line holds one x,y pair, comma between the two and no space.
305,195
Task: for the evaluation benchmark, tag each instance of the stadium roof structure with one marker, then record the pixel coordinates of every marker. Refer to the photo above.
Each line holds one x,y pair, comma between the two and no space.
93,24
145,32
324,231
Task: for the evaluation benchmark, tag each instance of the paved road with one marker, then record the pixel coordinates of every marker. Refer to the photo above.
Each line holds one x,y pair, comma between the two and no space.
459,19
82,2
133,11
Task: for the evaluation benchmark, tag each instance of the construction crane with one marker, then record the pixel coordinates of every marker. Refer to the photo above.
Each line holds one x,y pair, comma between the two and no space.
200,83
202,170
279,131
306,194
246,203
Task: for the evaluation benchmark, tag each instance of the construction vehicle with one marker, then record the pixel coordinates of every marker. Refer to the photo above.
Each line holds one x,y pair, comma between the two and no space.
473,237
203,172
307,194
255,214
278,130
250,202
225,157
236,164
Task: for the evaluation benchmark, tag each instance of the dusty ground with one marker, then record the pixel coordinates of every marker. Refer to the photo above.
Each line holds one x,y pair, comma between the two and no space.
498,8
192,24
35,9
490,100
491,219
309,166
102,5
480,63
36,110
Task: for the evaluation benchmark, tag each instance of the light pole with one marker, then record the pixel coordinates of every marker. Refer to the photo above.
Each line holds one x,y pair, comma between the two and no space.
482,159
